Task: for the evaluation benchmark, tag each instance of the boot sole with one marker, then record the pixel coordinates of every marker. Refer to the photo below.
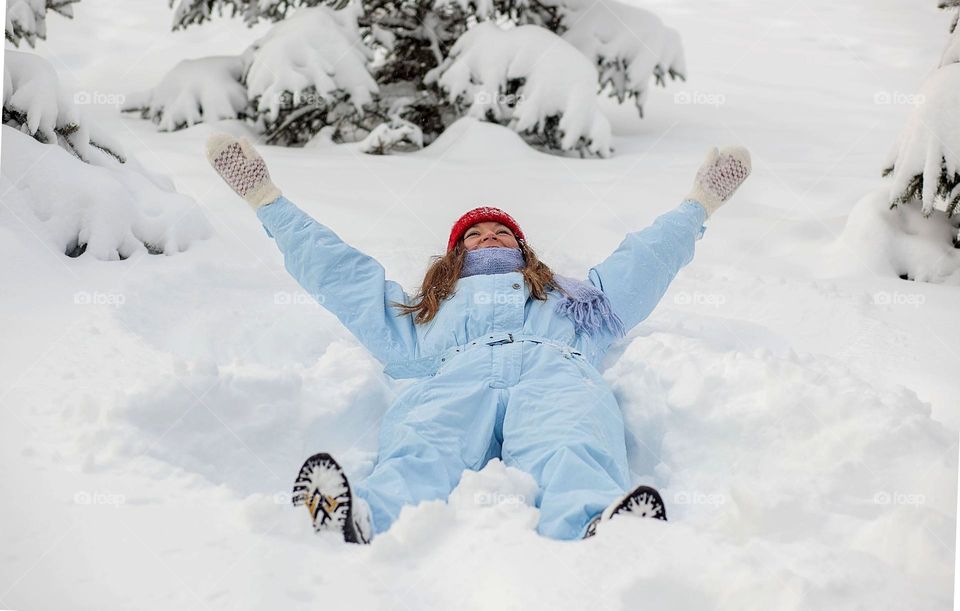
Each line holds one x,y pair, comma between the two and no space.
642,501
323,488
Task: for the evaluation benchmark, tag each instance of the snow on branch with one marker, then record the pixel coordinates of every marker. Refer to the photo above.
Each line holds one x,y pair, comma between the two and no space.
925,163
339,66
35,103
108,212
306,67
194,91
27,19
530,80
195,12
628,45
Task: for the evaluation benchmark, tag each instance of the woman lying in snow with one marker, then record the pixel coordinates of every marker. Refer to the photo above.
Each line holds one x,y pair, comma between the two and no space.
506,352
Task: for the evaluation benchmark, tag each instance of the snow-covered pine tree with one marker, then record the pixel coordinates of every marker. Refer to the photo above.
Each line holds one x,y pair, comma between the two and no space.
410,37
27,19
191,12
401,41
67,179
529,80
310,71
627,44
207,88
33,100
925,162
35,103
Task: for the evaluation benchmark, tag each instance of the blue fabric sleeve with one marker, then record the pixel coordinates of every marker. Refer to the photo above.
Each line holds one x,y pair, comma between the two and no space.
348,283
637,274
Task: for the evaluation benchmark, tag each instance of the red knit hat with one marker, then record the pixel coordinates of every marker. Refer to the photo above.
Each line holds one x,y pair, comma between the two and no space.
480,215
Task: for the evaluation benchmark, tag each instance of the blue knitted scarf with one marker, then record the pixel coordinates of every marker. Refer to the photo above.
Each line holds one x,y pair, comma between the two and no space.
587,306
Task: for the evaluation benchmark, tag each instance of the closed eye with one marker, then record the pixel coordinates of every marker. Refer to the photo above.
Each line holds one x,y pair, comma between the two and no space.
470,234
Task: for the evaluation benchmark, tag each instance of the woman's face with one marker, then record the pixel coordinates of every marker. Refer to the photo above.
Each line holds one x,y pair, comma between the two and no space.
489,234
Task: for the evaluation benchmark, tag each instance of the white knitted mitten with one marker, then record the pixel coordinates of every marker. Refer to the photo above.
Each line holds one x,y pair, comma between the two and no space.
242,168
719,176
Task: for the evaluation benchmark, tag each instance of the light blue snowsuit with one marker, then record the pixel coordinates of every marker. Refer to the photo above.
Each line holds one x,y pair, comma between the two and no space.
502,374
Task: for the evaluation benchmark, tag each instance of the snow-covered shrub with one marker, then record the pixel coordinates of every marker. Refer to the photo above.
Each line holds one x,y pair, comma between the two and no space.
109,211
35,104
898,242
627,44
195,90
66,180
398,42
925,162
927,156
27,19
530,80
308,72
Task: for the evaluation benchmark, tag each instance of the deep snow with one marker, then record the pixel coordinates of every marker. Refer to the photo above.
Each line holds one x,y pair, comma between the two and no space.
795,402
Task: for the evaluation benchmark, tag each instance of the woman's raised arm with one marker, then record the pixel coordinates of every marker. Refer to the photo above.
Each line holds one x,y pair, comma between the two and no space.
345,281
637,274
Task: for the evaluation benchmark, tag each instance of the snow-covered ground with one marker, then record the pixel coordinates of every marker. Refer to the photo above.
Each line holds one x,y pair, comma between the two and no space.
795,402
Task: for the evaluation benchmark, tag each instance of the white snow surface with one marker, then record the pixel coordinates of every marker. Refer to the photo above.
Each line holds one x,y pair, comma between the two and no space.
794,401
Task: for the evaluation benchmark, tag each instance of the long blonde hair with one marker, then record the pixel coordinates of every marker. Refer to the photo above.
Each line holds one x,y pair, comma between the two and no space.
442,275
